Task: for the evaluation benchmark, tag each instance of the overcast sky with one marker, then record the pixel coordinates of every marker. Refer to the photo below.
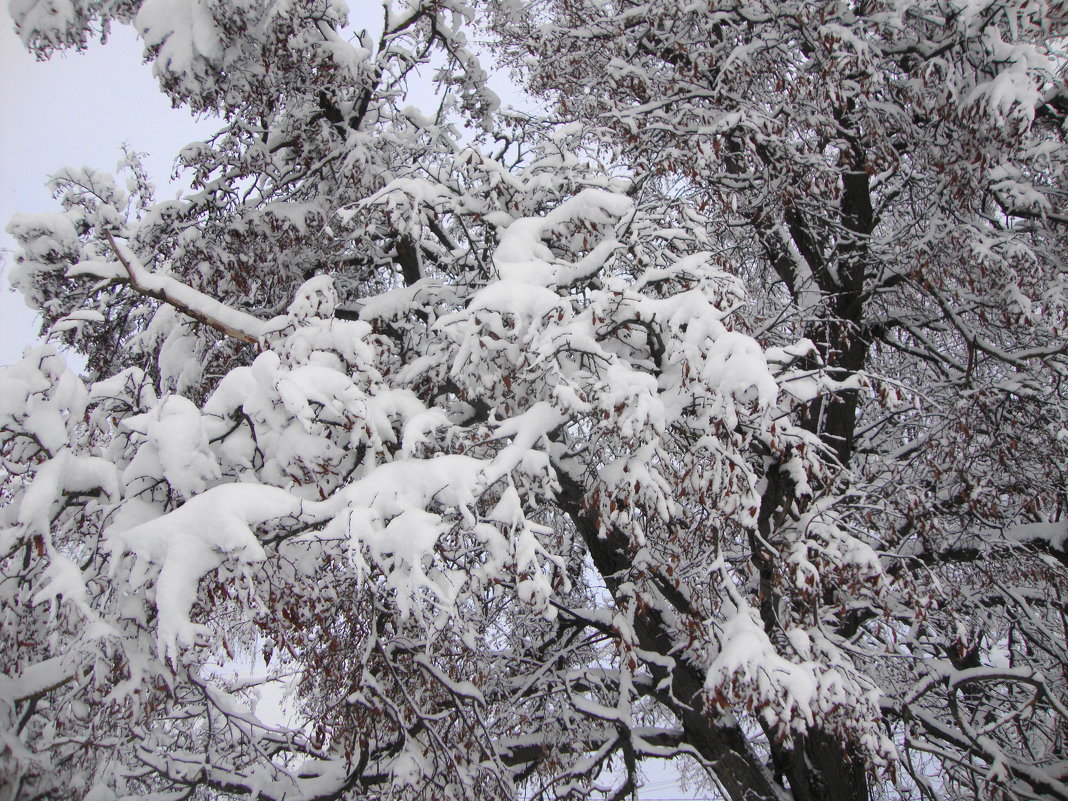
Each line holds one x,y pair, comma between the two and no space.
74,110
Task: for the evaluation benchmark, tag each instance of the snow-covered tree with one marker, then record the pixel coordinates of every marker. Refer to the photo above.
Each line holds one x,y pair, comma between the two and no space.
718,415
888,178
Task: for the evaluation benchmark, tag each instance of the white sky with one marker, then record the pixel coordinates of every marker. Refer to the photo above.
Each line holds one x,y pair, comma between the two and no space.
73,110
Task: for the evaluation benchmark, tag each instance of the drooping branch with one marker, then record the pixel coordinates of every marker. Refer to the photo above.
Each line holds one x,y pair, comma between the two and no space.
189,301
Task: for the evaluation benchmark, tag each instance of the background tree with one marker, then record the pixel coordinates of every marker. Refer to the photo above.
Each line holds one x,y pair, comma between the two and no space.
519,471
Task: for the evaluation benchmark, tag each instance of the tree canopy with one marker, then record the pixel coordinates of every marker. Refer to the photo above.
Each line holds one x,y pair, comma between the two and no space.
715,412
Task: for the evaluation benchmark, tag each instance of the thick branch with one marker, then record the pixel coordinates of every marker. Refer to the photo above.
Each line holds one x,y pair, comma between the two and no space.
724,746
190,302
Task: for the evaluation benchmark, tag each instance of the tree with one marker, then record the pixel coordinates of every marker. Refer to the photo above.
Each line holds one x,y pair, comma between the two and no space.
717,415
875,170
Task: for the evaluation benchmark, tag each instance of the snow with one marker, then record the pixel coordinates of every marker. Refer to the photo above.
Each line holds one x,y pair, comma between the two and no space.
186,544
44,238
789,695
105,270
175,446
1015,90
523,257
735,366
64,474
399,549
50,21
76,320
66,582
315,298
180,32
35,680
40,396
1055,534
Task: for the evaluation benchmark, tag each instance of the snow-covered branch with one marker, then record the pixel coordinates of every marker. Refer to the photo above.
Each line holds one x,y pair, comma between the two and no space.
188,301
